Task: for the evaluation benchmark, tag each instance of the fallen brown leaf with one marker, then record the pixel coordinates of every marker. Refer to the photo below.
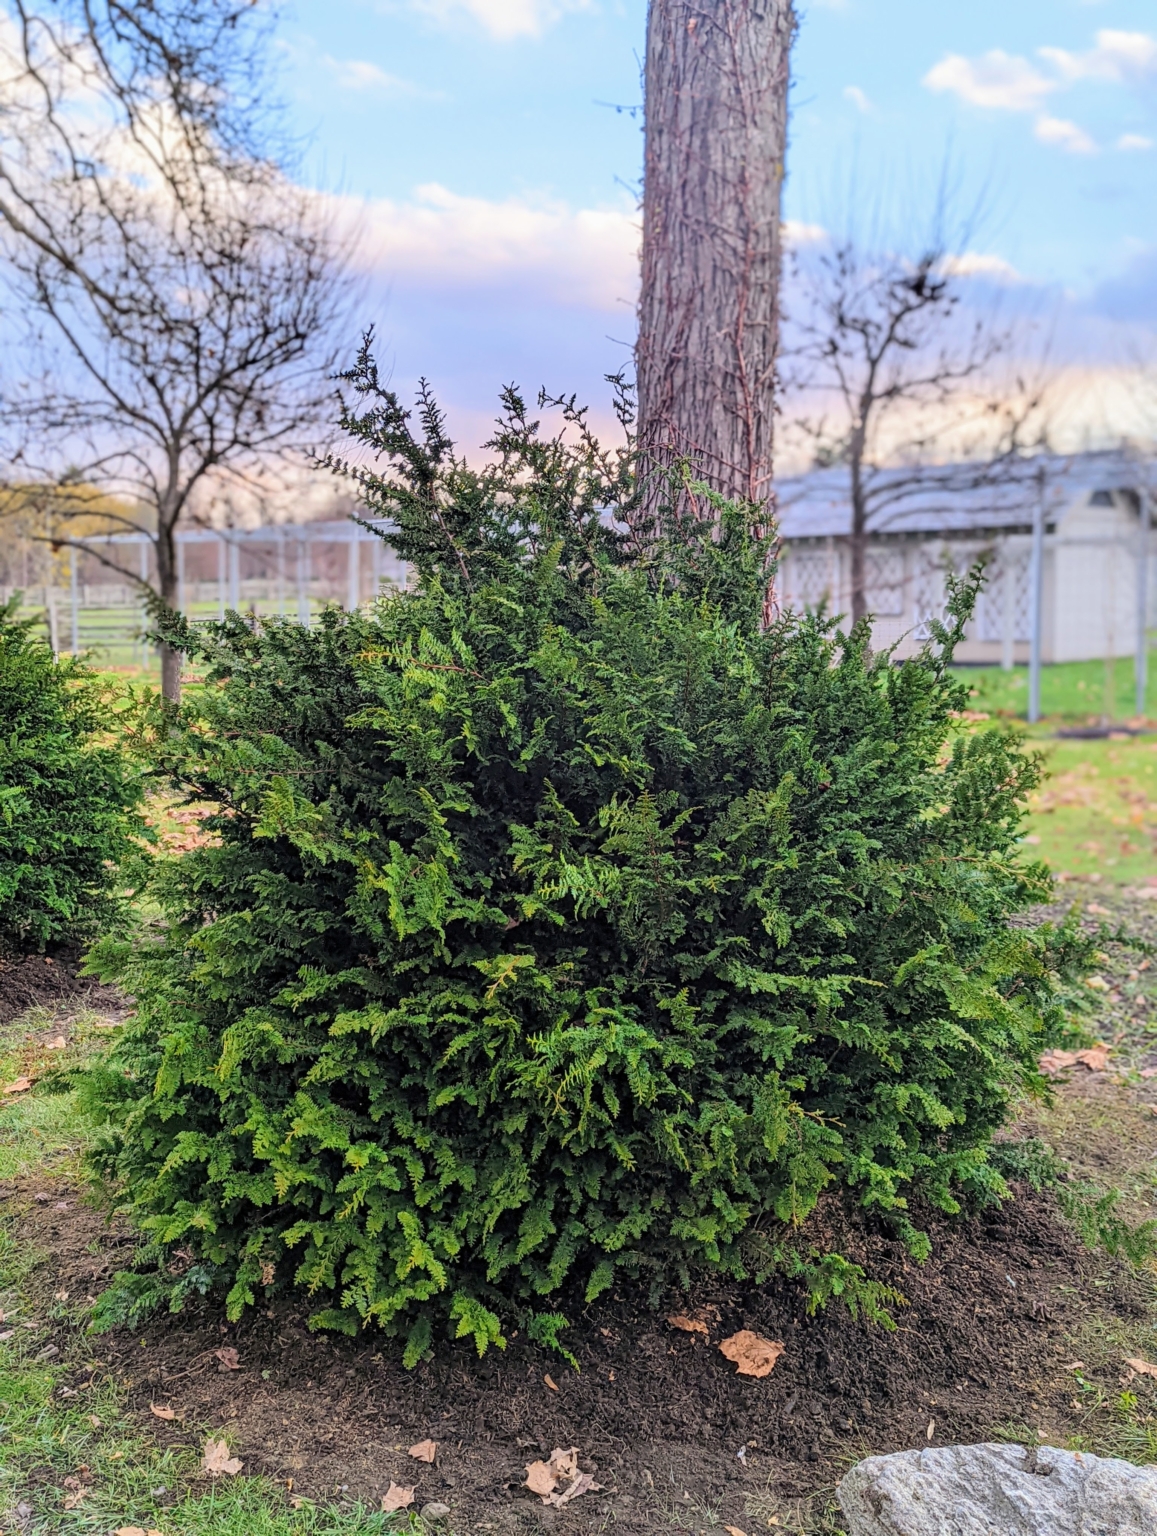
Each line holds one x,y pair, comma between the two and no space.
1098,910
230,1360
687,1324
73,1500
21,1085
1095,1058
396,1497
1148,1072
547,1477
931,1430
1142,1367
733,1530
753,1354
134,1530
216,1460
58,1044
162,1413
425,1450
551,1383
540,1479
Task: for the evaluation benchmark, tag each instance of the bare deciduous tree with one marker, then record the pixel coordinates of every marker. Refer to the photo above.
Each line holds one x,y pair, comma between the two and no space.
716,131
904,376
179,293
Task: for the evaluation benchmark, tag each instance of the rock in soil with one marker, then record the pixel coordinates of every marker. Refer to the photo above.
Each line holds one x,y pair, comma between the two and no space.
981,1490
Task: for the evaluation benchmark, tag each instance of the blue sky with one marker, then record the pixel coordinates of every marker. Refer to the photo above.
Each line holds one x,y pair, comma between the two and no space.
496,181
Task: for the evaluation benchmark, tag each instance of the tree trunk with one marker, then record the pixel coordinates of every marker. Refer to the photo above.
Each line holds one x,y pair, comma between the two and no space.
716,132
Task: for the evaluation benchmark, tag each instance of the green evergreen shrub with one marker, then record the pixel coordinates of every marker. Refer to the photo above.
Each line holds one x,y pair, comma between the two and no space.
69,797
565,918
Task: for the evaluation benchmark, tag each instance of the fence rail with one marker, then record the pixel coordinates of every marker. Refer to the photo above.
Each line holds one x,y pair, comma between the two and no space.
292,569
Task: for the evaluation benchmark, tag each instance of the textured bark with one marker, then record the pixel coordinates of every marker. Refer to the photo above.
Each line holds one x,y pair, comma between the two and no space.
716,131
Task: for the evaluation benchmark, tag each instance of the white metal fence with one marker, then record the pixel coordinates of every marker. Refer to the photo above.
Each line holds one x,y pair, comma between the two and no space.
292,569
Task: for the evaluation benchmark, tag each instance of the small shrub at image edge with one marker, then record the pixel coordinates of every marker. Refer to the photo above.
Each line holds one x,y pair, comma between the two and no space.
568,915
69,798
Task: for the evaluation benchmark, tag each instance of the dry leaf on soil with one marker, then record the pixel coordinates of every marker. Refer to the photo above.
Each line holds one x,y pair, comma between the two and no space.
134,1530
162,1413
733,1530
217,1460
551,1383
1096,1059
59,1044
228,1357
425,1450
688,1324
396,1497
21,1085
753,1354
1142,1367
546,1478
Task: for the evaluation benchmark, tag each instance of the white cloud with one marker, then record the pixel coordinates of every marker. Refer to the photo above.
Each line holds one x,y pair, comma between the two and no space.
363,75
1121,57
858,98
504,19
976,264
1064,135
999,80
1134,141
438,239
795,233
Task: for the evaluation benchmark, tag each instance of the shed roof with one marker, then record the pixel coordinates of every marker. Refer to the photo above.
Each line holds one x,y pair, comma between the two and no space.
955,499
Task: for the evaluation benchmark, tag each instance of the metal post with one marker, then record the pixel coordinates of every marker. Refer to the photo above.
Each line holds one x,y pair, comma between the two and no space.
221,578
180,543
281,573
1036,585
234,575
143,569
1141,658
74,599
353,594
50,610
1008,584
302,587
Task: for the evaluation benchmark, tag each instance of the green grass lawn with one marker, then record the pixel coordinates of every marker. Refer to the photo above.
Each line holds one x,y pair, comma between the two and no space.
1073,692
1096,814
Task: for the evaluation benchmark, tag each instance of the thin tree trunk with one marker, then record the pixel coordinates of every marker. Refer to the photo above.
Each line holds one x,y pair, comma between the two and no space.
716,132
859,542
167,586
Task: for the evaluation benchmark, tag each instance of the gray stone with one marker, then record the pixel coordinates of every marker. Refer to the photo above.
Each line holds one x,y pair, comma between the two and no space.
998,1490
435,1511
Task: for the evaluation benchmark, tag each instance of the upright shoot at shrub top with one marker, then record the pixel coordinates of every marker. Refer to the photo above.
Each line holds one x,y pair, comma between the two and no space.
562,919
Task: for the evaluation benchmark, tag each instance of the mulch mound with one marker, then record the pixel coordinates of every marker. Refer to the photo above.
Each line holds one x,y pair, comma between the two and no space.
675,1433
49,980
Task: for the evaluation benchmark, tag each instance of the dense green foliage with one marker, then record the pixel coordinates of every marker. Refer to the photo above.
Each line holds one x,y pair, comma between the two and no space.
564,916
69,800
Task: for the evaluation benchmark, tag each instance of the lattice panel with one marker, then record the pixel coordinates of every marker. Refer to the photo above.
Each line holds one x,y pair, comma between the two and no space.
811,578
885,581
1006,567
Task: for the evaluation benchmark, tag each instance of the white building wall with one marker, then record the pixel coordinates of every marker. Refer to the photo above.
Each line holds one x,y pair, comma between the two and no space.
1089,598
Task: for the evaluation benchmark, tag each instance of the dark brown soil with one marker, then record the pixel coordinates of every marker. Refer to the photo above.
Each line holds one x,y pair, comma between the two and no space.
660,1412
48,980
